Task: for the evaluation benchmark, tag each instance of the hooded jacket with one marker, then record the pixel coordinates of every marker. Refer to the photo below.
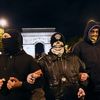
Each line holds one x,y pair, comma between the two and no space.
89,53
16,64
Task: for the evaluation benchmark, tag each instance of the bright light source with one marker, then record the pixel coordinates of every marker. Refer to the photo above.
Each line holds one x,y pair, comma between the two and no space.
3,22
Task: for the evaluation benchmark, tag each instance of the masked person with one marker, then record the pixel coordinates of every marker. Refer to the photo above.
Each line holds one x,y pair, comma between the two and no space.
61,72
15,65
88,49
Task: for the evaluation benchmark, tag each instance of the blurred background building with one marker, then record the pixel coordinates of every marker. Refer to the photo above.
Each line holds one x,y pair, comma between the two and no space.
36,41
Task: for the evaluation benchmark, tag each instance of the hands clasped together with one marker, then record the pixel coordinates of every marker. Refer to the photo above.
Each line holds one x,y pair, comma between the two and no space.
13,82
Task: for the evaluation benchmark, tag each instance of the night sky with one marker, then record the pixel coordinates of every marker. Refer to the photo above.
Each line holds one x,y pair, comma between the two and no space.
68,16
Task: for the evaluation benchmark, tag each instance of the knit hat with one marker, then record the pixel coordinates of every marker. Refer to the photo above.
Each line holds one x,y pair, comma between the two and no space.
57,37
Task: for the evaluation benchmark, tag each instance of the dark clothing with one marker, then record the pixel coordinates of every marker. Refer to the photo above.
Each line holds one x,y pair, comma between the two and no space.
38,94
89,53
61,76
18,65
13,44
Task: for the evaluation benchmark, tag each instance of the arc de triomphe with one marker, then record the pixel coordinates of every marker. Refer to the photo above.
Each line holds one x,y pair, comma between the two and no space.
34,36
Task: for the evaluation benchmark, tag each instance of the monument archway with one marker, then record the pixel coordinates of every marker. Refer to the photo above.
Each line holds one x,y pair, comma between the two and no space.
35,37
39,49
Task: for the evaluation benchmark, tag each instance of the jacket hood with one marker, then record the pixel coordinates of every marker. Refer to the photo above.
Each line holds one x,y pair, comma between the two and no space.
90,25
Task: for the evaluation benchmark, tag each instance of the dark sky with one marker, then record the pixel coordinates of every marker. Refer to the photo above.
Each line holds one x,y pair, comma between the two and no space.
67,16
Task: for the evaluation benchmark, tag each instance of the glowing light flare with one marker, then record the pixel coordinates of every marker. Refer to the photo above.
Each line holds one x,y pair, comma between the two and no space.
3,22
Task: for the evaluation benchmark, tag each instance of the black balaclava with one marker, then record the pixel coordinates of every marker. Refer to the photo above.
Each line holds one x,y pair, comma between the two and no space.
14,44
57,37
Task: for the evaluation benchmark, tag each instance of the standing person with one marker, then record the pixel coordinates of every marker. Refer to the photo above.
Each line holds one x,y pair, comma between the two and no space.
61,72
88,50
15,65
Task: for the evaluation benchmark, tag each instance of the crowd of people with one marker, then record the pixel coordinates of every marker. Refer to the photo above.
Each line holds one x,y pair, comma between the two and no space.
62,74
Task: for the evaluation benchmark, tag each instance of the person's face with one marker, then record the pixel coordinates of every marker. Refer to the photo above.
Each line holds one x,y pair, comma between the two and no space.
58,48
93,35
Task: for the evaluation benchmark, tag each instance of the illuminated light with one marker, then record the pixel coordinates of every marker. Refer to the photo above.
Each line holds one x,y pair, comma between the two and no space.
3,23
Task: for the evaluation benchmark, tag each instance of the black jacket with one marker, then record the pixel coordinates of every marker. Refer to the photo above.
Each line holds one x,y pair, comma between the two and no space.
90,54
59,73
18,65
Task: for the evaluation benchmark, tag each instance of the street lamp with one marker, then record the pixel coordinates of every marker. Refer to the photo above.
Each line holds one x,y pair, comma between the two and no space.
3,22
